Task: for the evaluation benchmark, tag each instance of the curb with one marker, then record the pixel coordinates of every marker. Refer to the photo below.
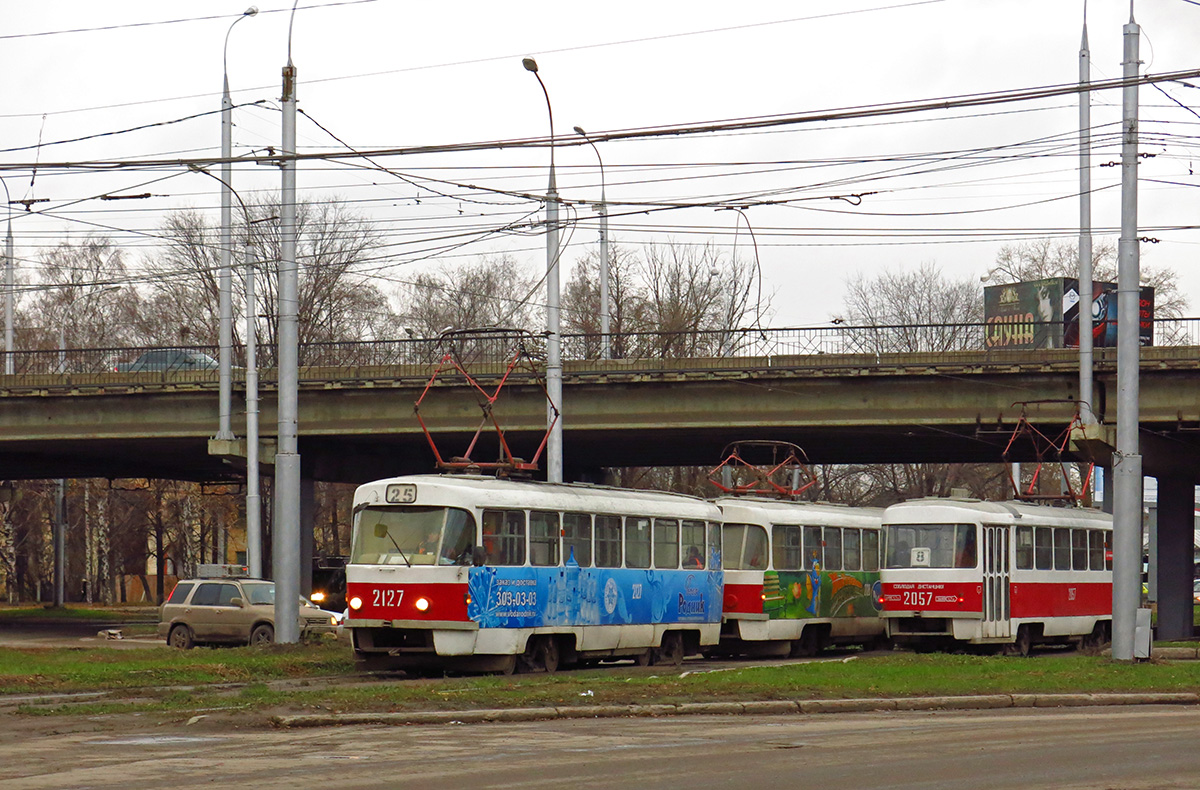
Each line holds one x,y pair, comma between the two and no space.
758,708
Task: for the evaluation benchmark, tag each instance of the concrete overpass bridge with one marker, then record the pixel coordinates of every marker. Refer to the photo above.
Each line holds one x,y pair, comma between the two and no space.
668,401
665,406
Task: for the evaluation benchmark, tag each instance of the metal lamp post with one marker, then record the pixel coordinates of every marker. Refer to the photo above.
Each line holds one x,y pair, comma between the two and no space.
253,495
225,297
554,448
605,340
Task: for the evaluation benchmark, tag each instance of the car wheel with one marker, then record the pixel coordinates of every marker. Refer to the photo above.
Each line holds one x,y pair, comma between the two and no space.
263,634
181,637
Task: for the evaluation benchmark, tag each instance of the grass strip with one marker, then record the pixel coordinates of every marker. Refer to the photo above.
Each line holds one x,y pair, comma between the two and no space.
332,685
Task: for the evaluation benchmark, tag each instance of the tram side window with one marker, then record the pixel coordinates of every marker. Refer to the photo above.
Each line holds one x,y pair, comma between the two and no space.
692,537
870,550
787,552
1108,551
608,542
1043,548
813,549
1062,549
637,543
1079,549
833,549
851,550
666,543
577,538
1096,549
745,547
964,547
504,536
1025,548
716,550
544,534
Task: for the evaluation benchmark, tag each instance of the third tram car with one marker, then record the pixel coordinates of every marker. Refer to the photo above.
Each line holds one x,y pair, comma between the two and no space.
1011,574
798,576
479,573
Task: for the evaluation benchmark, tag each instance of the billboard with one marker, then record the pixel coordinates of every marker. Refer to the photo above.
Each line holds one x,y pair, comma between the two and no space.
1045,314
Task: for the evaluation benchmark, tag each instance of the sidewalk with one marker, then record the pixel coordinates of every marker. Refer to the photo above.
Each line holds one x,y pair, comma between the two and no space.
763,708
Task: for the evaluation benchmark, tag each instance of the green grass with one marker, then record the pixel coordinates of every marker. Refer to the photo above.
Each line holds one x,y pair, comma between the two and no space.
66,670
97,613
325,681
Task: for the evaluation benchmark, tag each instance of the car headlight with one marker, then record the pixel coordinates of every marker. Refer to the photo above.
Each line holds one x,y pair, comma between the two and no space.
317,597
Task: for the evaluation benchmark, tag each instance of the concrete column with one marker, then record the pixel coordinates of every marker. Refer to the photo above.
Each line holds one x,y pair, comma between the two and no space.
1176,522
308,512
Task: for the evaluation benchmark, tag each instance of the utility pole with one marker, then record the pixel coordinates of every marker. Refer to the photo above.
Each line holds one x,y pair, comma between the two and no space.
1086,415
1127,463
285,542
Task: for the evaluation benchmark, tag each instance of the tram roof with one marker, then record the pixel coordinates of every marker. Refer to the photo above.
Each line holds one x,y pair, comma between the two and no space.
534,493
1007,512
789,511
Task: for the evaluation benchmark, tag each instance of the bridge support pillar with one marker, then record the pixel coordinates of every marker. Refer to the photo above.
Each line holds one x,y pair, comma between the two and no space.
308,511
1176,536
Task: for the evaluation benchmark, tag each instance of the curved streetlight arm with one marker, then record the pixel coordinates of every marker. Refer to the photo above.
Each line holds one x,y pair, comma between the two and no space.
251,11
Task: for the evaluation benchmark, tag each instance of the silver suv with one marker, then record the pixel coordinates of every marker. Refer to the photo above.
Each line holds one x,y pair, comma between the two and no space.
232,611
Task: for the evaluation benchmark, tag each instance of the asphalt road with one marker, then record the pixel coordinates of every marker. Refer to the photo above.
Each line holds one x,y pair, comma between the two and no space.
1067,749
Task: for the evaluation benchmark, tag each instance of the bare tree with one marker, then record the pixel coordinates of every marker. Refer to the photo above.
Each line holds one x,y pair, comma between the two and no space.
82,300
492,291
685,300
913,310
337,302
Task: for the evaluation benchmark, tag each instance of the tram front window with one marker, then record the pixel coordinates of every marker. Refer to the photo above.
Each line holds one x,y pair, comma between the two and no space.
413,535
930,546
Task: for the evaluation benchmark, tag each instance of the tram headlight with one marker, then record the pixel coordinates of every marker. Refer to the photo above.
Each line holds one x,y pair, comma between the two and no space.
317,597
355,603
422,604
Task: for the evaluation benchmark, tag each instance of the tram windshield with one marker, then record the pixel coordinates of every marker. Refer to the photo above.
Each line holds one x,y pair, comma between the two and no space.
930,546
413,535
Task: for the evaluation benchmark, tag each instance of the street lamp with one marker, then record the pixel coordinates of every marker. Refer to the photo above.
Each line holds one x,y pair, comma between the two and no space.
554,448
225,297
605,348
253,495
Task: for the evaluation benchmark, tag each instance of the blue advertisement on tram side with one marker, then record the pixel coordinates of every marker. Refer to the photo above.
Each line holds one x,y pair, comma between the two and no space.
524,597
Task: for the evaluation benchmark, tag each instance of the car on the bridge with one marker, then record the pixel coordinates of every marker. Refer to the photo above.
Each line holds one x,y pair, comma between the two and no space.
168,359
231,611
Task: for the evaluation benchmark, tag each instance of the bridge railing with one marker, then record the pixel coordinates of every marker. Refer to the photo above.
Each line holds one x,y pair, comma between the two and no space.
723,349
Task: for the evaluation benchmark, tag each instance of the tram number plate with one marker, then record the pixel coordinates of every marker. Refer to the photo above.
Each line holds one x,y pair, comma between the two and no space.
386,597
918,598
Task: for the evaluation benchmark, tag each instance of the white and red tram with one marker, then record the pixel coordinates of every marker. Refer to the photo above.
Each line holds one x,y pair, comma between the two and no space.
995,573
798,576
459,571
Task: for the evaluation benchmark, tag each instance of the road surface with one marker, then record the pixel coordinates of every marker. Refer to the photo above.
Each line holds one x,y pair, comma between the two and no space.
1066,749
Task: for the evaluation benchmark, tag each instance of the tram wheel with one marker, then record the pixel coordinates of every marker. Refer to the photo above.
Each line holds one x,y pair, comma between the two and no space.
644,658
1023,643
671,652
508,665
548,654
808,645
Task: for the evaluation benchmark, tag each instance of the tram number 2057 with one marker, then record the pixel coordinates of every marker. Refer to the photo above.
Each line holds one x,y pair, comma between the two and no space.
386,597
918,598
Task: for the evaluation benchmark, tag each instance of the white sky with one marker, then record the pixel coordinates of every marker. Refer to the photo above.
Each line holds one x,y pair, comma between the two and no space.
377,75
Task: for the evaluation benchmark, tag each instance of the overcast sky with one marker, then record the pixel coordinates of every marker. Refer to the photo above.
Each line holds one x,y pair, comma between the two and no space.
390,73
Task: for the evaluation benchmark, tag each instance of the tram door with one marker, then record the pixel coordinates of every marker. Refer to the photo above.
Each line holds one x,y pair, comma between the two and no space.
995,582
